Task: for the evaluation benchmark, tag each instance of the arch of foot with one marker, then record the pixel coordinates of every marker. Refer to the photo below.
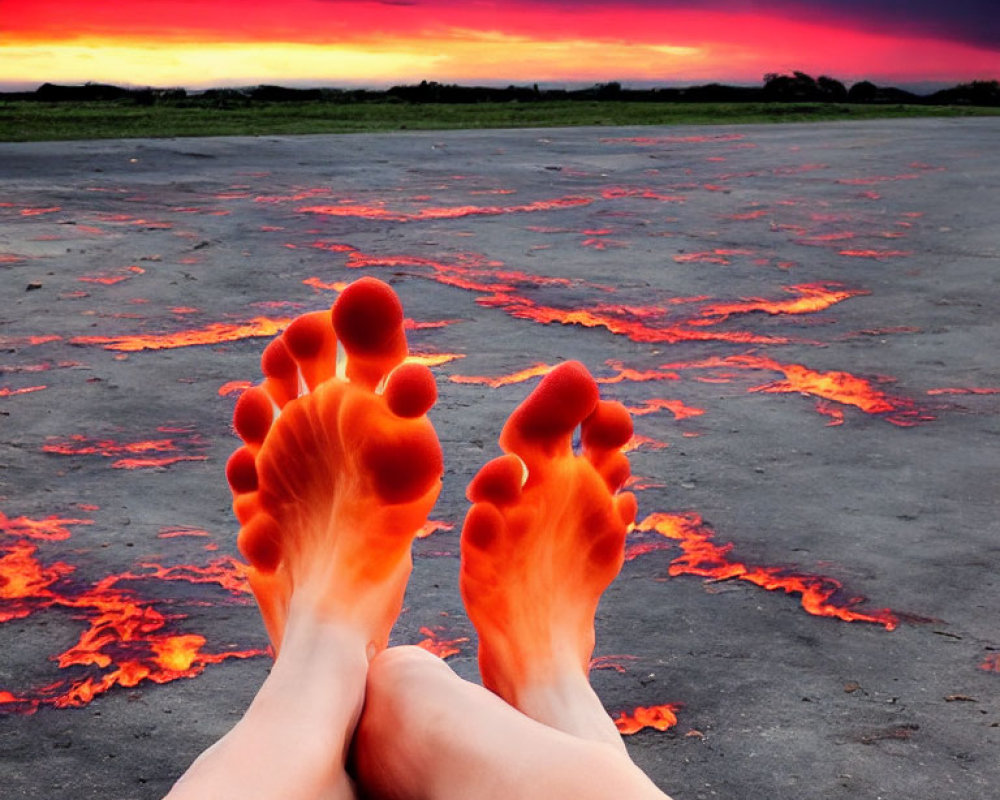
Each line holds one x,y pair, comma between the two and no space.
545,534
336,434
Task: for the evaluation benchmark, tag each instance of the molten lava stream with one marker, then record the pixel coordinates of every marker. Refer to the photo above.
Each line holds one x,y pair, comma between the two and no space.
111,278
449,212
676,407
834,385
819,595
812,297
161,452
622,374
127,638
214,333
621,324
501,289
8,392
496,381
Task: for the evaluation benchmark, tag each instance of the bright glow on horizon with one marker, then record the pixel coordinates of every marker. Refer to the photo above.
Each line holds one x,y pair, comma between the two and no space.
203,65
367,44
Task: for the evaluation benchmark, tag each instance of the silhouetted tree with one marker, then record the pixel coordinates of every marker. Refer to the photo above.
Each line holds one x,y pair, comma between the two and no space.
977,93
796,88
714,93
283,94
225,98
862,92
833,91
89,92
609,91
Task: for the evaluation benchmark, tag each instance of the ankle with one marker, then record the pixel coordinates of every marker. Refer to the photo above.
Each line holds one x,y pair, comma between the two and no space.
320,671
568,703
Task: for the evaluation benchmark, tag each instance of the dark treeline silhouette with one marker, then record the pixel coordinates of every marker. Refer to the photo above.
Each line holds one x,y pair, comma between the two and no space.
777,88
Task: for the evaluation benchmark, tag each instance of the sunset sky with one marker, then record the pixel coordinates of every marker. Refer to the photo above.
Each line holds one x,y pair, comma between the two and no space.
352,43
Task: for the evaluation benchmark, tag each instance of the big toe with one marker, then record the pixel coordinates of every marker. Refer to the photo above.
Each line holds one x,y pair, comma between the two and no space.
368,320
544,423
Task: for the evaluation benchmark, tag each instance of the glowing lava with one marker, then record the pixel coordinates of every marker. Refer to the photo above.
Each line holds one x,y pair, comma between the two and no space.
659,141
812,297
977,390
495,382
876,254
184,445
675,407
991,663
126,639
717,256
613,662
622,374
432,526
502,289
434,642
617,192
110,279
660,718
329,286
37,212
620,324
833,385
215,333
15,342
819,595
449,212
233,387
639,441
7,392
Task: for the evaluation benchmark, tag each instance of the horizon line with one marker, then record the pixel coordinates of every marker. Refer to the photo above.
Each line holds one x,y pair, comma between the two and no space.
909,85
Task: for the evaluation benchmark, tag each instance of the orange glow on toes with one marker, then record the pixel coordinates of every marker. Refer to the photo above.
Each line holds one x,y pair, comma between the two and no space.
545,534
331,491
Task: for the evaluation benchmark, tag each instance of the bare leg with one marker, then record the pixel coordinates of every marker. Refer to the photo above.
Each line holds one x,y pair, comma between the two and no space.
538,550
428,735
330,493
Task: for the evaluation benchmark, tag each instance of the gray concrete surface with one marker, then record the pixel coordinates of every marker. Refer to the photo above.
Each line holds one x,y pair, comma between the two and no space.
654,226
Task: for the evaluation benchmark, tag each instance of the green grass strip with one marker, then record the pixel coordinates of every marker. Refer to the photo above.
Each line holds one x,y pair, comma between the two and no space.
23,121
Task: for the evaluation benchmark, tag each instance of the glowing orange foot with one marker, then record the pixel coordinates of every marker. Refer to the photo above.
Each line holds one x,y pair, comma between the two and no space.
546,534
339,467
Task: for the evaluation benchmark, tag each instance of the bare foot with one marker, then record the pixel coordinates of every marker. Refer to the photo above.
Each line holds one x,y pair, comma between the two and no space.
339,467
338,471
543,540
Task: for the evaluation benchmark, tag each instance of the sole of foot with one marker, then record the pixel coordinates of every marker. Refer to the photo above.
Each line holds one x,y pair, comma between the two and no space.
543,540
339,467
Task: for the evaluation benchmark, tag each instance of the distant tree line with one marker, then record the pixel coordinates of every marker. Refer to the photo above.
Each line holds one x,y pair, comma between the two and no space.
777,88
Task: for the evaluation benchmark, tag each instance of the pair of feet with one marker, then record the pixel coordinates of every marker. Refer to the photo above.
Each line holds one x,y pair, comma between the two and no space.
339,470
